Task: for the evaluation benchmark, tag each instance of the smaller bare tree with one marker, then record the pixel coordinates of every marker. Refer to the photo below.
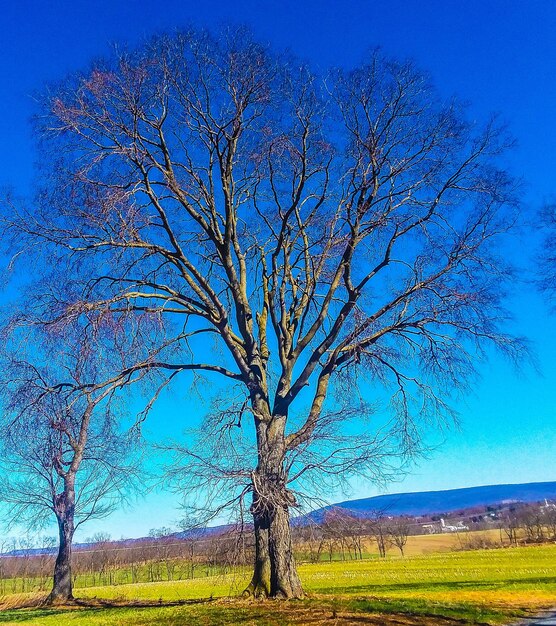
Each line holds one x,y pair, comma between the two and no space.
380,532
399,529
533,523
62,450
509,525
164,543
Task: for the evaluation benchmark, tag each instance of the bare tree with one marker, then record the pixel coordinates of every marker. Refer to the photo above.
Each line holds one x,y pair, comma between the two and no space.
322,231
510,525
533,522
164,544
379,528
399,529
62,450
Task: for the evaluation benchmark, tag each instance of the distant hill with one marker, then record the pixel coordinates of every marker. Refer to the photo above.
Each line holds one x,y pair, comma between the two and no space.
430,502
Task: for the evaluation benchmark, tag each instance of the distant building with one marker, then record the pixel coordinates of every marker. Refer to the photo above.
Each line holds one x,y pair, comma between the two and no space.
442,527
548,506
447,528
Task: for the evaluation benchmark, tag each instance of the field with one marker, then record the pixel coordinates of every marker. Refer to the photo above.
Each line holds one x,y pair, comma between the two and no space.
495,586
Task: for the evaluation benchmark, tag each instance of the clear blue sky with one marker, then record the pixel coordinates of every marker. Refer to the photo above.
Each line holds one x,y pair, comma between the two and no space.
500,55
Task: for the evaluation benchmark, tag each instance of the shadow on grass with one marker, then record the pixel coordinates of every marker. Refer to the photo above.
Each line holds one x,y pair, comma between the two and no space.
456,612
242,613
349,610
26,615
32,612
462,585
102,603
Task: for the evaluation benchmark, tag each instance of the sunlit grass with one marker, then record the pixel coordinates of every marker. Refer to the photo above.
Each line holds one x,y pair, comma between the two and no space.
519,573
484,586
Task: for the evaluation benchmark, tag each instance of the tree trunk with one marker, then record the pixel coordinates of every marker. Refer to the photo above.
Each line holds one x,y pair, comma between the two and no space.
270,509
62,590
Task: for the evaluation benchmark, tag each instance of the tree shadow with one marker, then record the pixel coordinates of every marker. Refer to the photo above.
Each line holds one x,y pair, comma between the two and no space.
35,610
461,585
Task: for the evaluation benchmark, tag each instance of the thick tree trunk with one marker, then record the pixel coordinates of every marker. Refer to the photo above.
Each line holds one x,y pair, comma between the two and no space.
62,589
271,502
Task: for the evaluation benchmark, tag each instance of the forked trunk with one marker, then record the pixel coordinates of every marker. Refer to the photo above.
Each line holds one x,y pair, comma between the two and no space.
62,589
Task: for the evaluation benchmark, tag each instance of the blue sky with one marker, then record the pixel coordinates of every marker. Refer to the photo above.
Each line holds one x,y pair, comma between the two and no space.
500,55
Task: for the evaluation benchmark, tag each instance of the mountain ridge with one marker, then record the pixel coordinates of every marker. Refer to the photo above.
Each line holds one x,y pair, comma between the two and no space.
421,503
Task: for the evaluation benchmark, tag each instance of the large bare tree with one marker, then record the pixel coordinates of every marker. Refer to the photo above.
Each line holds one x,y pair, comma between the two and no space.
294,230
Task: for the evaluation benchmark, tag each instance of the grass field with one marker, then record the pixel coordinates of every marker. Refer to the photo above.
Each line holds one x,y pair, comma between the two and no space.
474,587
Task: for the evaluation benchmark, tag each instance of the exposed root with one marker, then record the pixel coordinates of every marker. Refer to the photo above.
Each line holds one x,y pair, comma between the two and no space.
257,590
59,601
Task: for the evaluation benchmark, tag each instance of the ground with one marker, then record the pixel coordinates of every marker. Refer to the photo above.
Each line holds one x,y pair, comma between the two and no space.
495,586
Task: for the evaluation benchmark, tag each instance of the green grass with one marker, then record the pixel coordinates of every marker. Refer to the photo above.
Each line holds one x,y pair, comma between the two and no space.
506,571
478,587
260,614
120,576
512,569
